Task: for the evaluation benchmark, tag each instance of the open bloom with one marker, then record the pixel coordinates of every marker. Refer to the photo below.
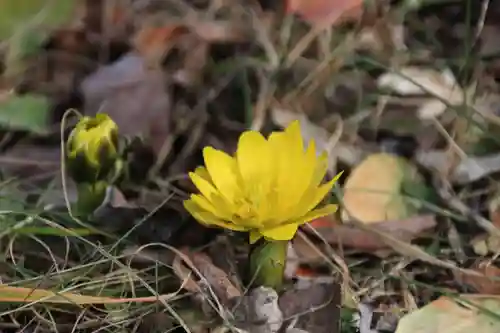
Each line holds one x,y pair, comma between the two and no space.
92,148
269,188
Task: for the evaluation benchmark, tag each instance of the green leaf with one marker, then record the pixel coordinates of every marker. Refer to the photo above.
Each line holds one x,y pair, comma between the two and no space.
25,25
20,15
27,112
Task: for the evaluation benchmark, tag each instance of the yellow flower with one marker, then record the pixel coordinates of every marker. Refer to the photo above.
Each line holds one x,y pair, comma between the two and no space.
269,188
92,148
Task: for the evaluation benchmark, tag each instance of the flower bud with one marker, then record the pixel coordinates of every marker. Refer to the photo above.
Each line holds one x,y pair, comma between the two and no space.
92,149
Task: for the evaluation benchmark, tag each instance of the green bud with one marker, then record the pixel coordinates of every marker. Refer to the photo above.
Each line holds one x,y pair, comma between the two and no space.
92,149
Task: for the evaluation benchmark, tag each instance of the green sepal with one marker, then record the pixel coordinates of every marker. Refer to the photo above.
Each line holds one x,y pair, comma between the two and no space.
90,197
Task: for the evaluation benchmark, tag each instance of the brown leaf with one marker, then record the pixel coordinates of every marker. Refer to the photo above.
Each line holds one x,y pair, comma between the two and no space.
489,283
153,43
190,264
326,11
134,96
316,302
259,311
220,31
306,251
494,210
346,235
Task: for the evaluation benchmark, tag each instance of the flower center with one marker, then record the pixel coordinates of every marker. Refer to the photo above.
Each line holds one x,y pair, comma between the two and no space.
245,209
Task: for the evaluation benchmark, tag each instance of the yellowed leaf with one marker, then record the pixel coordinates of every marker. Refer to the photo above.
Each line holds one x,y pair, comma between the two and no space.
373,192
29,295
445,315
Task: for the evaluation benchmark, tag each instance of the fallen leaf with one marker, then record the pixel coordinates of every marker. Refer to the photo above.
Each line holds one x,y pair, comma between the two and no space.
417,80
325,11
470,168
153,43
375,190
315,302
494,210
422,81
446,315
347,235
28,295
192,268
489,283
489,37
259,312
135,97
364,320
480,245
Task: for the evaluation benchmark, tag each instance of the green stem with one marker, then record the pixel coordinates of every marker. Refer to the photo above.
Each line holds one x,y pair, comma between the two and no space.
90,196
267,264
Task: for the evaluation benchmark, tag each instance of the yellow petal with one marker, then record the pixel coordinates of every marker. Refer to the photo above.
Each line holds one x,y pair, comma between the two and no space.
205,187
283,232
301,180
320,170
313,196
281,174
216,206
223,208
203,173
254,236
294,136
203,203
255,163
317,213
208,218
223,172
254,157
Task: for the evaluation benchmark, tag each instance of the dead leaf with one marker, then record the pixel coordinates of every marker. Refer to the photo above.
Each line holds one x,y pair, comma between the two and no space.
154,43
306,252
316,304
428,81
405,230
332,12
446,315
197,269
470,168
259,312
480,245
220,31
28,295
494,210
374,191
489,38
489,283
136,98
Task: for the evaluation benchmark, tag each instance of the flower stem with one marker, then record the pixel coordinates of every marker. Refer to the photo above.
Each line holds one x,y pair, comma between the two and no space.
90,196
267,264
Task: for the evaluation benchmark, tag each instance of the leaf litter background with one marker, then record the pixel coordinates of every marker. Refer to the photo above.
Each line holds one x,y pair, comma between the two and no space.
402,94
